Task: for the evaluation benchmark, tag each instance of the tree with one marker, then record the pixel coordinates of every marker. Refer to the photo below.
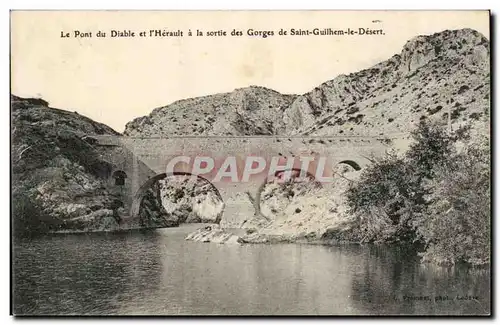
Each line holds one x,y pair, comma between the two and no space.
457,226
390,194
434,194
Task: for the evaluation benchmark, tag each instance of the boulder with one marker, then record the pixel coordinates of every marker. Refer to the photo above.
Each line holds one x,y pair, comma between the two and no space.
214,234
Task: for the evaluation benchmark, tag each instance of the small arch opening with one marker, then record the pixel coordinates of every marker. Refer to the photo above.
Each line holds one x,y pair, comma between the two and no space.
351,163
119,177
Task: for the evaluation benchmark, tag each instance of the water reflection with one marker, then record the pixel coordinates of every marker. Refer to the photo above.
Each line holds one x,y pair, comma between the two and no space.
81,274
393,282
158,273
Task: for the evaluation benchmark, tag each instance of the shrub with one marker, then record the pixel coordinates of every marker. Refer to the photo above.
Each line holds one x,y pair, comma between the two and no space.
392,188
432,195
457,225
384,200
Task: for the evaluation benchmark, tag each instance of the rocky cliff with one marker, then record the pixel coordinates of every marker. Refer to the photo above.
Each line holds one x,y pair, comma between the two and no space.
433,76
58,178
246,111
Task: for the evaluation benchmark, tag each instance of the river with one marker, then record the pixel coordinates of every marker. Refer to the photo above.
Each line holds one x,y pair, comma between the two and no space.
157,272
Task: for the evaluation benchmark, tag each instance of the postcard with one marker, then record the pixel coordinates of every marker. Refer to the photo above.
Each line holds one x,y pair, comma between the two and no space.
249,163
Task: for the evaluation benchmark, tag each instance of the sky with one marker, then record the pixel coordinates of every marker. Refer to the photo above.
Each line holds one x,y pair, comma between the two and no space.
116,79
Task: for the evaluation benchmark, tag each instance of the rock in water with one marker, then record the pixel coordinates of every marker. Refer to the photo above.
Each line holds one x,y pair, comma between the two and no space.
214,234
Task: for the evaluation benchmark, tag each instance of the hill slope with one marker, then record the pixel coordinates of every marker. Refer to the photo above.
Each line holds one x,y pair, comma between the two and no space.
433,75
246,111
58,179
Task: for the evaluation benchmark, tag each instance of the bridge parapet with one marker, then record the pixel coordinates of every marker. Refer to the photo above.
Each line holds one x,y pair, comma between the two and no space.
144,158
107,140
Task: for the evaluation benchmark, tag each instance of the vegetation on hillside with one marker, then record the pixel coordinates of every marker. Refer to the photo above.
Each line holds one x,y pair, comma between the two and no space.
436,194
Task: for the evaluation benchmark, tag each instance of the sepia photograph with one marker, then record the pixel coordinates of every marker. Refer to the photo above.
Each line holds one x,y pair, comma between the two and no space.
250,163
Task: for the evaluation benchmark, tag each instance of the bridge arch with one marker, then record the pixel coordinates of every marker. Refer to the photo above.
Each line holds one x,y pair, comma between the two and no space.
139,194
295,173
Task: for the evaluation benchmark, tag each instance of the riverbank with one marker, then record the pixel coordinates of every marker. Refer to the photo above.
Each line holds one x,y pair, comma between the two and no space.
213,233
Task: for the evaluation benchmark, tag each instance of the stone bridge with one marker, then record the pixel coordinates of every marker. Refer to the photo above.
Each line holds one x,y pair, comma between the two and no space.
140,162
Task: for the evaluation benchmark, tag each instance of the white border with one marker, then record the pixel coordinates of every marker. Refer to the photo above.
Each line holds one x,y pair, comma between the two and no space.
191,5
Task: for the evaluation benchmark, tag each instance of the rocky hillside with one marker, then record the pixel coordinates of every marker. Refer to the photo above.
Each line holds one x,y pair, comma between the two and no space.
447,72
58,179
245,111
432,76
